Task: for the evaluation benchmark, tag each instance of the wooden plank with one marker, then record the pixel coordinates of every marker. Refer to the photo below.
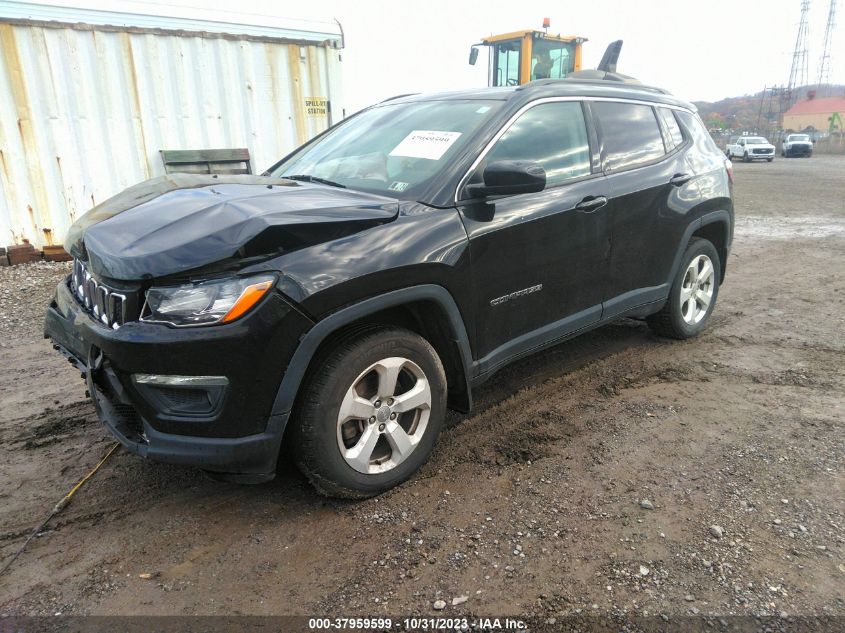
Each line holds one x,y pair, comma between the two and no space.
233,155
207,161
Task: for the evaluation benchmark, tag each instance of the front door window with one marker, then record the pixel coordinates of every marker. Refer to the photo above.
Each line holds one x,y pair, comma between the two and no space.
553,135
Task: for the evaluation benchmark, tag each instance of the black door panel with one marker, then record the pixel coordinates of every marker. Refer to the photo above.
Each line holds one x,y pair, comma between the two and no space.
650,194
536,260
648,216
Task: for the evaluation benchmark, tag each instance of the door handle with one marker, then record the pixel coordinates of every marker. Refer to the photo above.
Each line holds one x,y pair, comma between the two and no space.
590,204
680,179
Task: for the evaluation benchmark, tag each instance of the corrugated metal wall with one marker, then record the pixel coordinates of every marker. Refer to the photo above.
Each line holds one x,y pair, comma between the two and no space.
85,111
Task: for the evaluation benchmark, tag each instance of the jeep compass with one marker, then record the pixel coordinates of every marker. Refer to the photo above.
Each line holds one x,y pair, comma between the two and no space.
339,303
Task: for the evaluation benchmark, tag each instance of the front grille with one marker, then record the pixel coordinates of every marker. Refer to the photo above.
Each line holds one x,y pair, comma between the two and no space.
105,304
763,151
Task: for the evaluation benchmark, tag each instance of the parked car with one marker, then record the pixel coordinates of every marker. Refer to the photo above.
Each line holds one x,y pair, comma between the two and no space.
340,303
750,148
796,145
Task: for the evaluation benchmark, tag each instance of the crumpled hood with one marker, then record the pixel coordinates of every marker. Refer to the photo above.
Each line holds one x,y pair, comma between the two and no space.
180,222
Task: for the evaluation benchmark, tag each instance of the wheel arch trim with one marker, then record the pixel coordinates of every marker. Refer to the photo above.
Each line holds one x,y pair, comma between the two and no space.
311,341
721,216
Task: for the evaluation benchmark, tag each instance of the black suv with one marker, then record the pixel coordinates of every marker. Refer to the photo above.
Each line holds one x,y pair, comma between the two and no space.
339,303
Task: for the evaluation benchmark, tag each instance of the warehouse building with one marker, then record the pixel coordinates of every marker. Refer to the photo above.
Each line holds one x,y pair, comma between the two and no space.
89,99
814,114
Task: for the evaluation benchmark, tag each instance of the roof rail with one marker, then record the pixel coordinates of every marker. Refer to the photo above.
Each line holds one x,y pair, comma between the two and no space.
597,78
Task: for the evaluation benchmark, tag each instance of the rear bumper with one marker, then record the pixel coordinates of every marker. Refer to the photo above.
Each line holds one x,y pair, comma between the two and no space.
230,439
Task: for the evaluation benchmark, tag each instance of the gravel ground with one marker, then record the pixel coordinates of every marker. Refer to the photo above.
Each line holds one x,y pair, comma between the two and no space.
618,474
24,291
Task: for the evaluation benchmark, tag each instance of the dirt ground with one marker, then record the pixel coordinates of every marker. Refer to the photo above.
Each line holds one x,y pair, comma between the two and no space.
534,505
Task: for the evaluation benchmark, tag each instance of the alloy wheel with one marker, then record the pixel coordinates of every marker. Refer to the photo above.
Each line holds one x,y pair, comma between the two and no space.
697,289
384,415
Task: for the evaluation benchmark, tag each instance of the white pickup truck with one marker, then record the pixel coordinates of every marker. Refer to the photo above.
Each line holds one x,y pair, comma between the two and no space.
750,148
796,145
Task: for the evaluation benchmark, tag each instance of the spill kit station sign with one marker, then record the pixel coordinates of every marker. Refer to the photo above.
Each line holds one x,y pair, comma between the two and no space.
316,106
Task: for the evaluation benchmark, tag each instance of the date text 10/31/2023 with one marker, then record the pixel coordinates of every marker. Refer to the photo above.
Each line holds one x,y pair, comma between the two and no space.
417,624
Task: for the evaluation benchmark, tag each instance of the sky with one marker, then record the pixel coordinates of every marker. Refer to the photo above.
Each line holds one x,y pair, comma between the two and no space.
698,50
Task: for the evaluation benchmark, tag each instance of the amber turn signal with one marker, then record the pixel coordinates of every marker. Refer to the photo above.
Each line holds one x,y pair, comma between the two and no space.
249,297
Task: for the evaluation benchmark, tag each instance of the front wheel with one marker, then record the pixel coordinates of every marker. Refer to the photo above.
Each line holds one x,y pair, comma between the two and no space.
746,158
693,294
770,159
370,412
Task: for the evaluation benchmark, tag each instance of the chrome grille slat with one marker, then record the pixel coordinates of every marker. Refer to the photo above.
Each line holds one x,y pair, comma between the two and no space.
108,306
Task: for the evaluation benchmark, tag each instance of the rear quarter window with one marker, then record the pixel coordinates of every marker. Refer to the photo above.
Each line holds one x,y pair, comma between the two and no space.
630,134
698,134
674,135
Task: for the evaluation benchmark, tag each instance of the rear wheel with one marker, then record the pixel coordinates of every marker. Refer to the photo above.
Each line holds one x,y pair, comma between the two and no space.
693,294
370,412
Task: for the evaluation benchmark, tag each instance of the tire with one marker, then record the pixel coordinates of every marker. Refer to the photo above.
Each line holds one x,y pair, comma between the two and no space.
769,160
782,154
361,363
676,319
746,158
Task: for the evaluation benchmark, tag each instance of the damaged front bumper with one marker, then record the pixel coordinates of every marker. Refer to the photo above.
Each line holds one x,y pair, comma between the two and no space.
218,415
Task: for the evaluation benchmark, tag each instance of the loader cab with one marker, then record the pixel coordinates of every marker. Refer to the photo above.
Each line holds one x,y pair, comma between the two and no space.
522,56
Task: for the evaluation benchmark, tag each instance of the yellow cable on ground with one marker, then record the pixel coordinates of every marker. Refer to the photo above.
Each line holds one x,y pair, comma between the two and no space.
59,507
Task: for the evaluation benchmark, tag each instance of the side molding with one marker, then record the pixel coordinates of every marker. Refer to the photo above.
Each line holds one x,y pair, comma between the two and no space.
295,371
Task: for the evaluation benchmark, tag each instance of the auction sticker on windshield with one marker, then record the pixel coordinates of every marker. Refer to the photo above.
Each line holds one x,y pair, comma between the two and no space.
425,144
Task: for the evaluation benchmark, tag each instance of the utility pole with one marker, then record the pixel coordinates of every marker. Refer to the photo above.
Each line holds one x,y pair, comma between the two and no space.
824,61
772,107
760,111
799,72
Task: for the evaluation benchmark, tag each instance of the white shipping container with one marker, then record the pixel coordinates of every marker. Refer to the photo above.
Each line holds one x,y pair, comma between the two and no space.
89,98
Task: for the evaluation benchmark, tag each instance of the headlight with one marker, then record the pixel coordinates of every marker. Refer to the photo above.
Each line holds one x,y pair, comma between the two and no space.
206,302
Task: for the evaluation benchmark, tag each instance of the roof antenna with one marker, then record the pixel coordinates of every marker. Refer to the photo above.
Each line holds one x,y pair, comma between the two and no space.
610,57
606,69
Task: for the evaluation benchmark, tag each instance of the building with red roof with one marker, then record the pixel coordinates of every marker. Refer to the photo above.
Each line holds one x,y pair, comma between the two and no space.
815,113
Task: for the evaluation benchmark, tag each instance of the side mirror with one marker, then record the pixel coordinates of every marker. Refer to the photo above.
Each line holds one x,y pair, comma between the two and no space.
473,56
509,177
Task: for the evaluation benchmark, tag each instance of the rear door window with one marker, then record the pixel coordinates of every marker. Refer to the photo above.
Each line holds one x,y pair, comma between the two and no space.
630,134
551,134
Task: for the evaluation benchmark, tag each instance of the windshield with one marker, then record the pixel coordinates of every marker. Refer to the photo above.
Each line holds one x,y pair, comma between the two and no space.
551,59
799,137
390,149
756,140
